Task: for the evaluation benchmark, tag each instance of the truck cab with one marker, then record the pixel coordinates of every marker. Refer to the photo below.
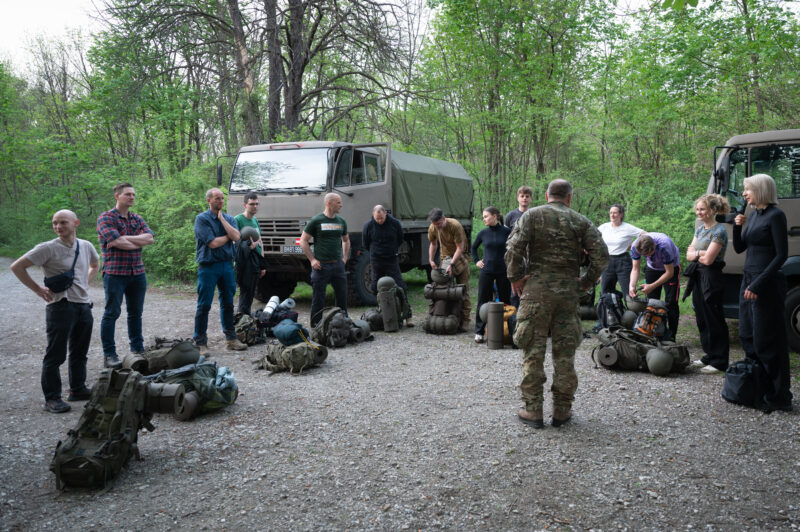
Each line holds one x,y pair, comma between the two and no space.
292,179
777,154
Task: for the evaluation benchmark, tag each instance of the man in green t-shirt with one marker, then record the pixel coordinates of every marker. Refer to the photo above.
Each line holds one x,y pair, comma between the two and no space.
331,250
249,261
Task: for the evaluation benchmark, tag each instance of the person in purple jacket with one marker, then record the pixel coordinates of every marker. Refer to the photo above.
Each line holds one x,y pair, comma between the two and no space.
663,270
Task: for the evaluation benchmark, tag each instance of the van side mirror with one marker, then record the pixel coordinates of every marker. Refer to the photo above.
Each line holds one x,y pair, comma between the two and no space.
219,174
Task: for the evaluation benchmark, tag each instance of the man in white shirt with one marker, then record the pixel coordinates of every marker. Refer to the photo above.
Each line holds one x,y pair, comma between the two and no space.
68,314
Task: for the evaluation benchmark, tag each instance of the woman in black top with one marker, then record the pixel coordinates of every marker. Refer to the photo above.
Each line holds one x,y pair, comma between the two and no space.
492,266
763,292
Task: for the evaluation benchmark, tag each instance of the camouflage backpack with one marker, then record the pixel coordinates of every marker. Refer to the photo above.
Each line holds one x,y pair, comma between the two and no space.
248,329
293,358
624,349
107,432
215,386
333,329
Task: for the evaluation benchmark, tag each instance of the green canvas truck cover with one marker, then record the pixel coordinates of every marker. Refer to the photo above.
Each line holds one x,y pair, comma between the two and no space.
421,183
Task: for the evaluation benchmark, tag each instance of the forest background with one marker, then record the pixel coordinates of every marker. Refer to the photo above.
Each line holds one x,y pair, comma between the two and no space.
628,108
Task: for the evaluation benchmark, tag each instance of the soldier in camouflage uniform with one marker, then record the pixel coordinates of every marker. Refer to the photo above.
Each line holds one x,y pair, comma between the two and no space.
551,238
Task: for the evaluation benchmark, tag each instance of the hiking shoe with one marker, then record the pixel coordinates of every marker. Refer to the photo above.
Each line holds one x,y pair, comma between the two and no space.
561,414
531,417
203,350
236,345
711,370
80,395
409,323
112,362
56,406
478,338
697,363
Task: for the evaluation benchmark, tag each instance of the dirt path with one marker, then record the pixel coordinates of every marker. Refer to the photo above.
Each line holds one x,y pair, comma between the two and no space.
411,431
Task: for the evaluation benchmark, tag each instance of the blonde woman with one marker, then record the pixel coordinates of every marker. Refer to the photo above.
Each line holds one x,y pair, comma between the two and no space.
708,250
763,292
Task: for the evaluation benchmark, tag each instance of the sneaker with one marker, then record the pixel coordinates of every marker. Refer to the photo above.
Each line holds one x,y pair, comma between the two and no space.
203,350
56,406
478,338
697,363
236,345
112,362
711,370
80,395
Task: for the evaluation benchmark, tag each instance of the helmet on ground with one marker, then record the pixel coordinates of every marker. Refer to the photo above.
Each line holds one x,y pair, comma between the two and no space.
483,312
249,233
386,283
628,319
439,276
659,361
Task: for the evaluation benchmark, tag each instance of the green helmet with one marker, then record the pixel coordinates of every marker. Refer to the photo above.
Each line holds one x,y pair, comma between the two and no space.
628,319
659,362
636,304
386,283
483,312
249,233
439,277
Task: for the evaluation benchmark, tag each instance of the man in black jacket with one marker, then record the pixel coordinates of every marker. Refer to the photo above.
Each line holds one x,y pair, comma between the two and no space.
383,236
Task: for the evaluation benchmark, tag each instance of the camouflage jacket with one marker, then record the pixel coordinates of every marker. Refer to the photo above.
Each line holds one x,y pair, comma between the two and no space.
551,239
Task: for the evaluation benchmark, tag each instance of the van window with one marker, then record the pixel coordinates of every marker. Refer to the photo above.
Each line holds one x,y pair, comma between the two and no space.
372,168
738,171
782,163
342,178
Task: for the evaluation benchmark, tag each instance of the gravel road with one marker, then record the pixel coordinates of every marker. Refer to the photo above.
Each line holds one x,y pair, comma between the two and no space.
411,431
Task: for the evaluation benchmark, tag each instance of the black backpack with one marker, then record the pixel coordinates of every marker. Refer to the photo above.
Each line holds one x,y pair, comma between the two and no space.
610,308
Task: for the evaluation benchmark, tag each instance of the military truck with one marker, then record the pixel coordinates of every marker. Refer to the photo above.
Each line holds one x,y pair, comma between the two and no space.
292,178
776,153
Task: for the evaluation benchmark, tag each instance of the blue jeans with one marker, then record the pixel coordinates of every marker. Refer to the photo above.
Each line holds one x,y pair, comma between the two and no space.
133,287
69,325
209,276
334,273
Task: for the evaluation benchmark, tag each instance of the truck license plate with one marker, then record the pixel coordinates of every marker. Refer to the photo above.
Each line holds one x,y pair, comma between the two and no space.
293,249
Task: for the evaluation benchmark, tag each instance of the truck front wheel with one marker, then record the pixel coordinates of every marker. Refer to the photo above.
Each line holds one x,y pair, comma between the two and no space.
358,282
793,318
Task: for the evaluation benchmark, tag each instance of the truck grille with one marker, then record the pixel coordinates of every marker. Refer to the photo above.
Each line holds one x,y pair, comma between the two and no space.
275,234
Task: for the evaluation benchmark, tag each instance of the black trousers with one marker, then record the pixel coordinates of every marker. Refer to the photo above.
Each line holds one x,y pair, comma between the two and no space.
763,335
672,289
618,270
486,291
247,291
707,302
69,326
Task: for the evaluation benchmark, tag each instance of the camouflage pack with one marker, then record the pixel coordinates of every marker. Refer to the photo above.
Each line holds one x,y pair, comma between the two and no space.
106,435
293,358
627,350
248,329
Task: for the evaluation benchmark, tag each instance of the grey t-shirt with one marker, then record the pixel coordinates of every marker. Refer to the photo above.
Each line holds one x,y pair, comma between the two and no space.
56,257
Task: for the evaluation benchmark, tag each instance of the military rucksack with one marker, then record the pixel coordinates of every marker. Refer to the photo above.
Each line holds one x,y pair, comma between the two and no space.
444,308
627,350
248,329
107,432
214,385
293,358
333,328
374,318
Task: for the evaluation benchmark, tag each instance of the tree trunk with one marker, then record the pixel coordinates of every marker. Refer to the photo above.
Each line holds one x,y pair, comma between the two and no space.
253,132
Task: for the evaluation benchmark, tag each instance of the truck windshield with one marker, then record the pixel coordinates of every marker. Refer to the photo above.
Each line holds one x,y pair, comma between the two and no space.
305,169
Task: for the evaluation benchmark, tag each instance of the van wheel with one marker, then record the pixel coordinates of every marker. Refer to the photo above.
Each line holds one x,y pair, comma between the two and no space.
793,318
358,281
269,286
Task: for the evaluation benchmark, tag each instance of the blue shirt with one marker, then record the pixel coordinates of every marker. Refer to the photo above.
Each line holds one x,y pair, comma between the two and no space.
666,252
206,228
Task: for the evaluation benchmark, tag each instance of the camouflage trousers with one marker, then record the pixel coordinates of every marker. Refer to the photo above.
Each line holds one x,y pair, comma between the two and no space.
535,320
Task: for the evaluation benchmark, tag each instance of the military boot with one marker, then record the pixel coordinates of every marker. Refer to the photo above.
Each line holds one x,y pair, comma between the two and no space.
532,416
561,414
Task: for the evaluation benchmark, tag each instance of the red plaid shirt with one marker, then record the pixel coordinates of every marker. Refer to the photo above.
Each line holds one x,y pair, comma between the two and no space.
110,226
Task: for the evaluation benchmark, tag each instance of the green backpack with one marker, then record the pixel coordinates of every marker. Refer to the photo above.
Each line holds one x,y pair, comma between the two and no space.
248,330
292,358
107,432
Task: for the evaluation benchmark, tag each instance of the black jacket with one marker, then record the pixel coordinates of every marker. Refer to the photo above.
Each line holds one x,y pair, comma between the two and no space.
383,240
